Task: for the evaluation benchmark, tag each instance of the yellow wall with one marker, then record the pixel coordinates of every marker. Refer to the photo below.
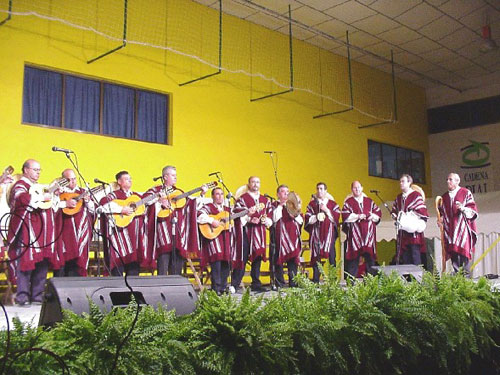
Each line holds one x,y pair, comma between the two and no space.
215,127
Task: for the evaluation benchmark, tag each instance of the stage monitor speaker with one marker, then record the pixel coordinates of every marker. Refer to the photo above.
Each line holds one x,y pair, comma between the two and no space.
406,271
74,293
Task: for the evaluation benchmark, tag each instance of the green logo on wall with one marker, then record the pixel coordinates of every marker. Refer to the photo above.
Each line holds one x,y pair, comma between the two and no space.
476,155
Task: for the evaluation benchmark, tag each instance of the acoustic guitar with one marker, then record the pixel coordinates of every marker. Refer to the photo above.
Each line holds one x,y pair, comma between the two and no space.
78,198
137,204
210,232
37,192
177,199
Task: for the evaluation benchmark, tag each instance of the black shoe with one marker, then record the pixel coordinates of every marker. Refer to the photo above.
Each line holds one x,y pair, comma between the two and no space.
258,289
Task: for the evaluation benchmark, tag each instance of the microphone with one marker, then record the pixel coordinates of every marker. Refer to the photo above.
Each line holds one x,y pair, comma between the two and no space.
213,173
99,210
269,197
157,178
269,152
375,191
97,181
65,150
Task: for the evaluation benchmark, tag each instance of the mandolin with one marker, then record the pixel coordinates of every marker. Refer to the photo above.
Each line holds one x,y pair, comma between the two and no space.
78,198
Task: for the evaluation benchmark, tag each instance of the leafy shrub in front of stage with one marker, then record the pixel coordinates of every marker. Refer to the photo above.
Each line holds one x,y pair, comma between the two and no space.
383,325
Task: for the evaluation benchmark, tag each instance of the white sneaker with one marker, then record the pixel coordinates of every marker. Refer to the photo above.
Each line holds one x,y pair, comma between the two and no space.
232,290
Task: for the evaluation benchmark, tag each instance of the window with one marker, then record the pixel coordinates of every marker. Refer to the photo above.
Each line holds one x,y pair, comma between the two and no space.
65,101
391,162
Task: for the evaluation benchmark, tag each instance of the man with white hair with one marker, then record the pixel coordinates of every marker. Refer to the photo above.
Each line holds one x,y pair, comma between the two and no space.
458,220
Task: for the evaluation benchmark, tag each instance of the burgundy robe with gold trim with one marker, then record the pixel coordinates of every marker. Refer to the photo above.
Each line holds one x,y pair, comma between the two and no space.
460,234
361,234
256,233
322,234
31,236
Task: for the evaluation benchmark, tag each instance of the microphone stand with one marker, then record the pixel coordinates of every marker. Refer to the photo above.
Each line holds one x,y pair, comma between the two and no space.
229,196
274,161
272,249
397,226
94,199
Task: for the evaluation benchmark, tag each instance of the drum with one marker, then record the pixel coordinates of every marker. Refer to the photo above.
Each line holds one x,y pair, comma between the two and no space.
293,204
410,222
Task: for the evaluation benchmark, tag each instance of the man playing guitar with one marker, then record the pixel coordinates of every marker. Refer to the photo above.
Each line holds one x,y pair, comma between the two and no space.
123,247
180,222
76,230
30,237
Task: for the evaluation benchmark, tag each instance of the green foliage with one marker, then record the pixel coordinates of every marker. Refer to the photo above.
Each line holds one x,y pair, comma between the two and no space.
383,325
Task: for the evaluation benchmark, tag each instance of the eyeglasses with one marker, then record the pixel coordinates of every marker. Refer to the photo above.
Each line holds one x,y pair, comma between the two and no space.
38,170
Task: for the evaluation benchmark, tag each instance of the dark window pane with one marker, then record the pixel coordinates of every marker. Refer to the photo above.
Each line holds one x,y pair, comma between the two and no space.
42,97
418,166
375,159
81,104
152,117
389,161
404,161
118,111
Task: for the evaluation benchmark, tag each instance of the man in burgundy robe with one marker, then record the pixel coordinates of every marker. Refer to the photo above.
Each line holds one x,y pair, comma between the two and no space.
410,246
122,246
217,251
160,230
322,221
360,216
458,218
287,241
251,241
30,238
75,230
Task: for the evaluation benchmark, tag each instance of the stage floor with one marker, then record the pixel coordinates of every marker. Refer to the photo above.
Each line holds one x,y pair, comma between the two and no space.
27,314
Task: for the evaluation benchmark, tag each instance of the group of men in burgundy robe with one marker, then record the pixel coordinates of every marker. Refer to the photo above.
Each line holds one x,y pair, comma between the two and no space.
39,238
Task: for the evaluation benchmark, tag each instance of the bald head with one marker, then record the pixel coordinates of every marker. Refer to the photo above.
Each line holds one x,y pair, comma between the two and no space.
357,189
31,170
70,175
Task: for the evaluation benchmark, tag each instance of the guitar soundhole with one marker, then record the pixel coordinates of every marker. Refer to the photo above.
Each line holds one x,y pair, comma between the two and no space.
133,206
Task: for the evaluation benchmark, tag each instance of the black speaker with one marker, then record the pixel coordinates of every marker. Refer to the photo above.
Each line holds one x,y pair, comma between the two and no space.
406,271
74,293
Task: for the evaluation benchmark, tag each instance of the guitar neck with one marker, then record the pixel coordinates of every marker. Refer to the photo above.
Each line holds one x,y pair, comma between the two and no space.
187,193
239,214
148,199
94,190
53,188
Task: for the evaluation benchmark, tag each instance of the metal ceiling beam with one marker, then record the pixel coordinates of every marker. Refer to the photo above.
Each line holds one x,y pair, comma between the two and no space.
341,42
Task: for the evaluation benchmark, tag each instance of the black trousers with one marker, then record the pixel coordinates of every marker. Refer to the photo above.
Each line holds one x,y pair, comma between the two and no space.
170,264
31,284
411,255
132,269
351,266
292,271
458,262
331,259
219,273
238,274
70,269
